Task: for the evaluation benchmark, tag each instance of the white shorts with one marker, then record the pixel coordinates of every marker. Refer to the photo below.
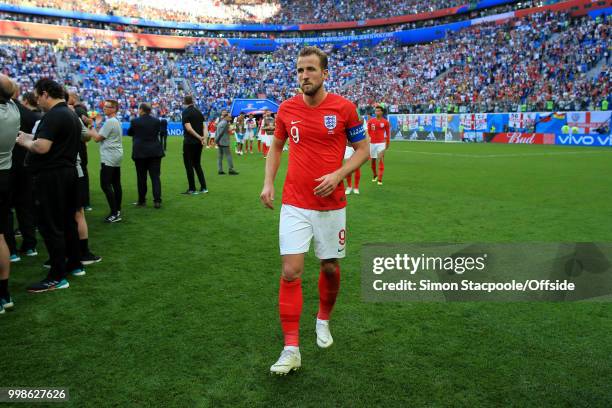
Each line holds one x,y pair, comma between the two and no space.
348,152
249,135
299,226
376,148
211,135
239,137
267,140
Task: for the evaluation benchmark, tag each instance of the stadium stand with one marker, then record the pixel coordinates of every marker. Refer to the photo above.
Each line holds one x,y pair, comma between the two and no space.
274,12
531,61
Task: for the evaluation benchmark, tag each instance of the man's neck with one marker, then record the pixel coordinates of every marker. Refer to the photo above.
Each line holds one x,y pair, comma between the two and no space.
54,102
316,99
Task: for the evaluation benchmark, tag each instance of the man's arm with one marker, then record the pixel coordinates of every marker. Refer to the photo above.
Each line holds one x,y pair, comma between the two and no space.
192,132
387,134
330,181
272,164
38,146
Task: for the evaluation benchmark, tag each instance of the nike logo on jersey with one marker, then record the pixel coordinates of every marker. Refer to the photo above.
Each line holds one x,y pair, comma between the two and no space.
341,250
293,122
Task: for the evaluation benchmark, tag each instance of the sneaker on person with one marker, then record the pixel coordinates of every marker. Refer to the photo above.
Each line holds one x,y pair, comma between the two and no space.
113,218
203,191
348,190
78,272
356,191
15,258
324,337
288,361
47,285
380,183
6,304
233,173
188,192
47,264
30,252
375,179
89,258
157,205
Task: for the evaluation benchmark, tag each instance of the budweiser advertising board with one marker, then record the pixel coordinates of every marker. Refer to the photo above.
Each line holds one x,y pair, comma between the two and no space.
524,138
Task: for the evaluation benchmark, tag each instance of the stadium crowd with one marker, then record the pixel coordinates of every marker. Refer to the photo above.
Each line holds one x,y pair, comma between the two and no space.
260,34
484,68
255,11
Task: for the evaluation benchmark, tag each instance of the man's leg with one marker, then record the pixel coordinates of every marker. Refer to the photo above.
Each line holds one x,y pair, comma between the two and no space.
381,166
116,181
5,265
220,160
154,168
187,160
230,159
24,211
141,177
374,175
106,177
196,160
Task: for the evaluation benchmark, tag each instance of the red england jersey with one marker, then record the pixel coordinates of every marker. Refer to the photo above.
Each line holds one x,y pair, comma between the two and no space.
379,130
317,138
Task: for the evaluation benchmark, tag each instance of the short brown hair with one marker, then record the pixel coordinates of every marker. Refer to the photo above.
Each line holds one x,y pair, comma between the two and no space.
188,100
309,50
113,103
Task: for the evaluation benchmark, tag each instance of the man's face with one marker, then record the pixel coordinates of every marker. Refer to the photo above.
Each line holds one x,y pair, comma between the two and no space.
378,112
108,109
43,100
310,75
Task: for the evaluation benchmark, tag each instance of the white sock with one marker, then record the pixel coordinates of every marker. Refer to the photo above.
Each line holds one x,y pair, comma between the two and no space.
325,322
292,348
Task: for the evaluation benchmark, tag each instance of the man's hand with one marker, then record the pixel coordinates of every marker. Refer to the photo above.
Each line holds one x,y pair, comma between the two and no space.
329,182
23,138
267,196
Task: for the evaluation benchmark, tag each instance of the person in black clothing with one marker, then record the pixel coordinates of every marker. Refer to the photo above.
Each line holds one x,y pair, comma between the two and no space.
193,132
51,157
81,111
163,133
147,152
22,199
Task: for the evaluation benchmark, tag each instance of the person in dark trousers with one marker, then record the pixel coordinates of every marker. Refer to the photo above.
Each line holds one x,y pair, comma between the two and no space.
9,128
51,157
110,138
194,139
223,141
147,152
163,133
22,199
81,111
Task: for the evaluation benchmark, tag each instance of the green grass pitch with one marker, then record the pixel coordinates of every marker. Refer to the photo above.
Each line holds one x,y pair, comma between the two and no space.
182,311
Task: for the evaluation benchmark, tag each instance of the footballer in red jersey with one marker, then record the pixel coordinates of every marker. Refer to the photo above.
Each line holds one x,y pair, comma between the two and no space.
318,125
379,131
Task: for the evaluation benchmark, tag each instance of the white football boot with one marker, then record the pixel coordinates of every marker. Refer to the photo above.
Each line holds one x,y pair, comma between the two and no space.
324,337
288,361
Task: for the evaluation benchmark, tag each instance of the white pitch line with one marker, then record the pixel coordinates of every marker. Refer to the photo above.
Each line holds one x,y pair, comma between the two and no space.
487,156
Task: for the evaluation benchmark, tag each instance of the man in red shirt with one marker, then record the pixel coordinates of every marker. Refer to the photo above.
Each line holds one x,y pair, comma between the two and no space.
317,124
379,131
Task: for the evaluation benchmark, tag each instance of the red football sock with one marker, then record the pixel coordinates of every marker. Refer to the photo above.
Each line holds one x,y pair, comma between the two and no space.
266,149
348,181
381,170
290,308
373,168
357,178
329,284
259,146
